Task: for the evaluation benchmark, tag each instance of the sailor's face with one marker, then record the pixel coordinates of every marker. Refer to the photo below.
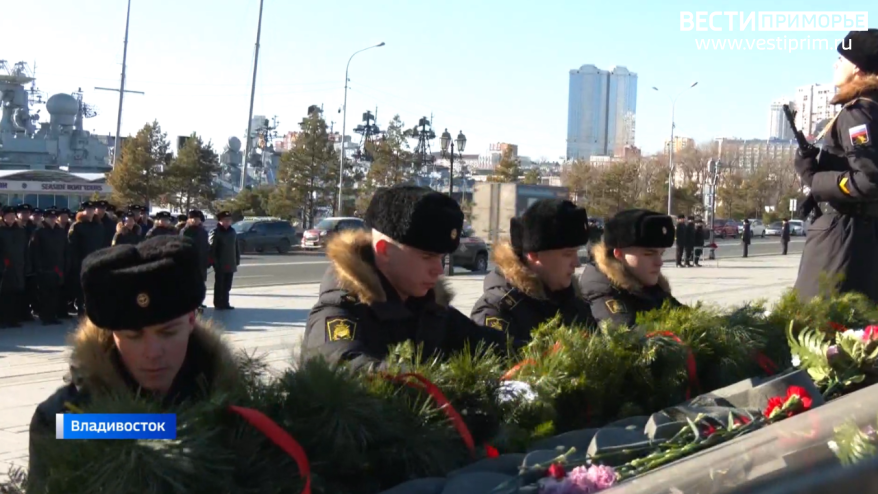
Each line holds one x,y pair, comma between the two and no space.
555,267
413,272
645,264
155,354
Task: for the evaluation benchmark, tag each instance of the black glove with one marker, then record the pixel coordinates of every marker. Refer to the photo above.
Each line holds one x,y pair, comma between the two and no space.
806,164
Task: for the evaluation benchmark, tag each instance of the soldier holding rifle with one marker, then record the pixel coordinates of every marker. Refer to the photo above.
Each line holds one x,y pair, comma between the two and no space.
843,178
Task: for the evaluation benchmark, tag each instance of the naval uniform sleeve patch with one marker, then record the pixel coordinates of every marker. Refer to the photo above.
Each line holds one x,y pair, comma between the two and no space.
616,307
497,323
340,328
859,135
509,301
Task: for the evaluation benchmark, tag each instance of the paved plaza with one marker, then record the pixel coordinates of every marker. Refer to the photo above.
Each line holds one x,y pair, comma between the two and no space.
270,321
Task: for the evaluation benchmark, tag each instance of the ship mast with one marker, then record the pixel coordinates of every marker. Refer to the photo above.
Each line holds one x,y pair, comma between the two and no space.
116,145
252,95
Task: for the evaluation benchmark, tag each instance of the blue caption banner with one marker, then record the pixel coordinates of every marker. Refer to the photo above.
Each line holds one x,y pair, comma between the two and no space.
115,426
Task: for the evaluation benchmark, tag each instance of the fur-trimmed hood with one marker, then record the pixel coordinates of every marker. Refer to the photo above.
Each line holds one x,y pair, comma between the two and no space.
350,253
120,226
518,275
93,361
616,275
867,84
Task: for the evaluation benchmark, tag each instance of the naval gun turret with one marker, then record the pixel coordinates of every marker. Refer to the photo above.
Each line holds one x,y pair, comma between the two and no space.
60,144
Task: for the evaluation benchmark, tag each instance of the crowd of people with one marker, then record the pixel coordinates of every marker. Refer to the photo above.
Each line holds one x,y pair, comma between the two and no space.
43,252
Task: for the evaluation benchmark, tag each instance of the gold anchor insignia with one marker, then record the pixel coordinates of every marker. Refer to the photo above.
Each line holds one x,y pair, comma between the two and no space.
454,234
615,306
340,329
496,323
143,300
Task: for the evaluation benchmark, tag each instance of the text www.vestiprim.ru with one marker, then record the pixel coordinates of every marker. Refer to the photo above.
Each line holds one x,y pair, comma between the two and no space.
770,44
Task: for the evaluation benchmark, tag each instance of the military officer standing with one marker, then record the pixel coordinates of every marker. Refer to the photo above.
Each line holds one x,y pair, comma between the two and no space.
699,242
127,231
31,303
535,275
746,237
225,258
785,235
162,225
141,338
64,219
182,219
681,239
383,286
626,276
106,220
194,230
13,252
844,179
141,218
85,236
48,257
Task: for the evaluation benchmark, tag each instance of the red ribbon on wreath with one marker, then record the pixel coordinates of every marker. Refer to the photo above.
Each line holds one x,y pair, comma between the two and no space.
279,437
421,383
691,367
517,367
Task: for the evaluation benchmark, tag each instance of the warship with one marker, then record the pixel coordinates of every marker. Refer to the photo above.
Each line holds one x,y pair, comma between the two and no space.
59,144
46,163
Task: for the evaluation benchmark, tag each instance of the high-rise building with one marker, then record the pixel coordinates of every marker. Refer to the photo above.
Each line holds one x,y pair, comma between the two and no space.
681,143
778,128
601,111
813,105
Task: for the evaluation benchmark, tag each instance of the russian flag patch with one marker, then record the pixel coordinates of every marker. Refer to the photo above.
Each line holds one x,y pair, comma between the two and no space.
859,135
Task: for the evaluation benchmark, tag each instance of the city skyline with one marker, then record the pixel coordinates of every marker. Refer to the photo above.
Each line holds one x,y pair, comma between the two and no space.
196,76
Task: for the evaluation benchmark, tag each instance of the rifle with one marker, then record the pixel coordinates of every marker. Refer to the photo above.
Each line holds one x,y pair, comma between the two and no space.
807,150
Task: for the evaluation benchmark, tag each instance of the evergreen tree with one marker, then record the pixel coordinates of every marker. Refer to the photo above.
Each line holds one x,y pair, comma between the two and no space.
307,175
190,176
139,176
532,177
508,170
249,202
391,163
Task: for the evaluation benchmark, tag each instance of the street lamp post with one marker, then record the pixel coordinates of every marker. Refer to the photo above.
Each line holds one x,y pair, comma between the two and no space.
344,123
671,150
445,141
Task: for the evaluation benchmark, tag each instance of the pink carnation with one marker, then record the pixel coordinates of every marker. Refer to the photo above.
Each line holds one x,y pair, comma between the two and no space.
601,476
581,483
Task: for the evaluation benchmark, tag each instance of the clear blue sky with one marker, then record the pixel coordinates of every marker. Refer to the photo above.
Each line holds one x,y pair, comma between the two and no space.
498,70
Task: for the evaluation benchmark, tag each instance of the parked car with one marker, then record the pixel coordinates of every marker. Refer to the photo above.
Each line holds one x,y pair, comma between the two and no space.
726,228
472,253
797,228
757,228
260,233
325,229
774,229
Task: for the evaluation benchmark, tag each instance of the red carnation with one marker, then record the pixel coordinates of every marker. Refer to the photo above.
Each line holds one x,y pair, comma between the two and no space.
491,451
557,471
709,430
802,394
870,333
838,327
774,403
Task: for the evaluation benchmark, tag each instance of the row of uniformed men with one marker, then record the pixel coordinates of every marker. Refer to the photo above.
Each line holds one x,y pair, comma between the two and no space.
42,253
384,286
141,334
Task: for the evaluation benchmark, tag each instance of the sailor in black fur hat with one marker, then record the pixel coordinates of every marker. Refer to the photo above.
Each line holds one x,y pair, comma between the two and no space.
140,337
383,286
163,225
535,275
625,276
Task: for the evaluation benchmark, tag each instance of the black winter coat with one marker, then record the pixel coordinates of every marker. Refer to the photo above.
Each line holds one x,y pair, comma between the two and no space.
83,238
681,235
199,236
844,241
359,314
615,294
224,255
699,236
515,300
785,232
13,252
108,222
747,235
145,225
48,255
96,369
690,235
124,236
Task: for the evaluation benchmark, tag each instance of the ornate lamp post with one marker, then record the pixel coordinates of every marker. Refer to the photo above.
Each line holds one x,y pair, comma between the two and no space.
445,141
